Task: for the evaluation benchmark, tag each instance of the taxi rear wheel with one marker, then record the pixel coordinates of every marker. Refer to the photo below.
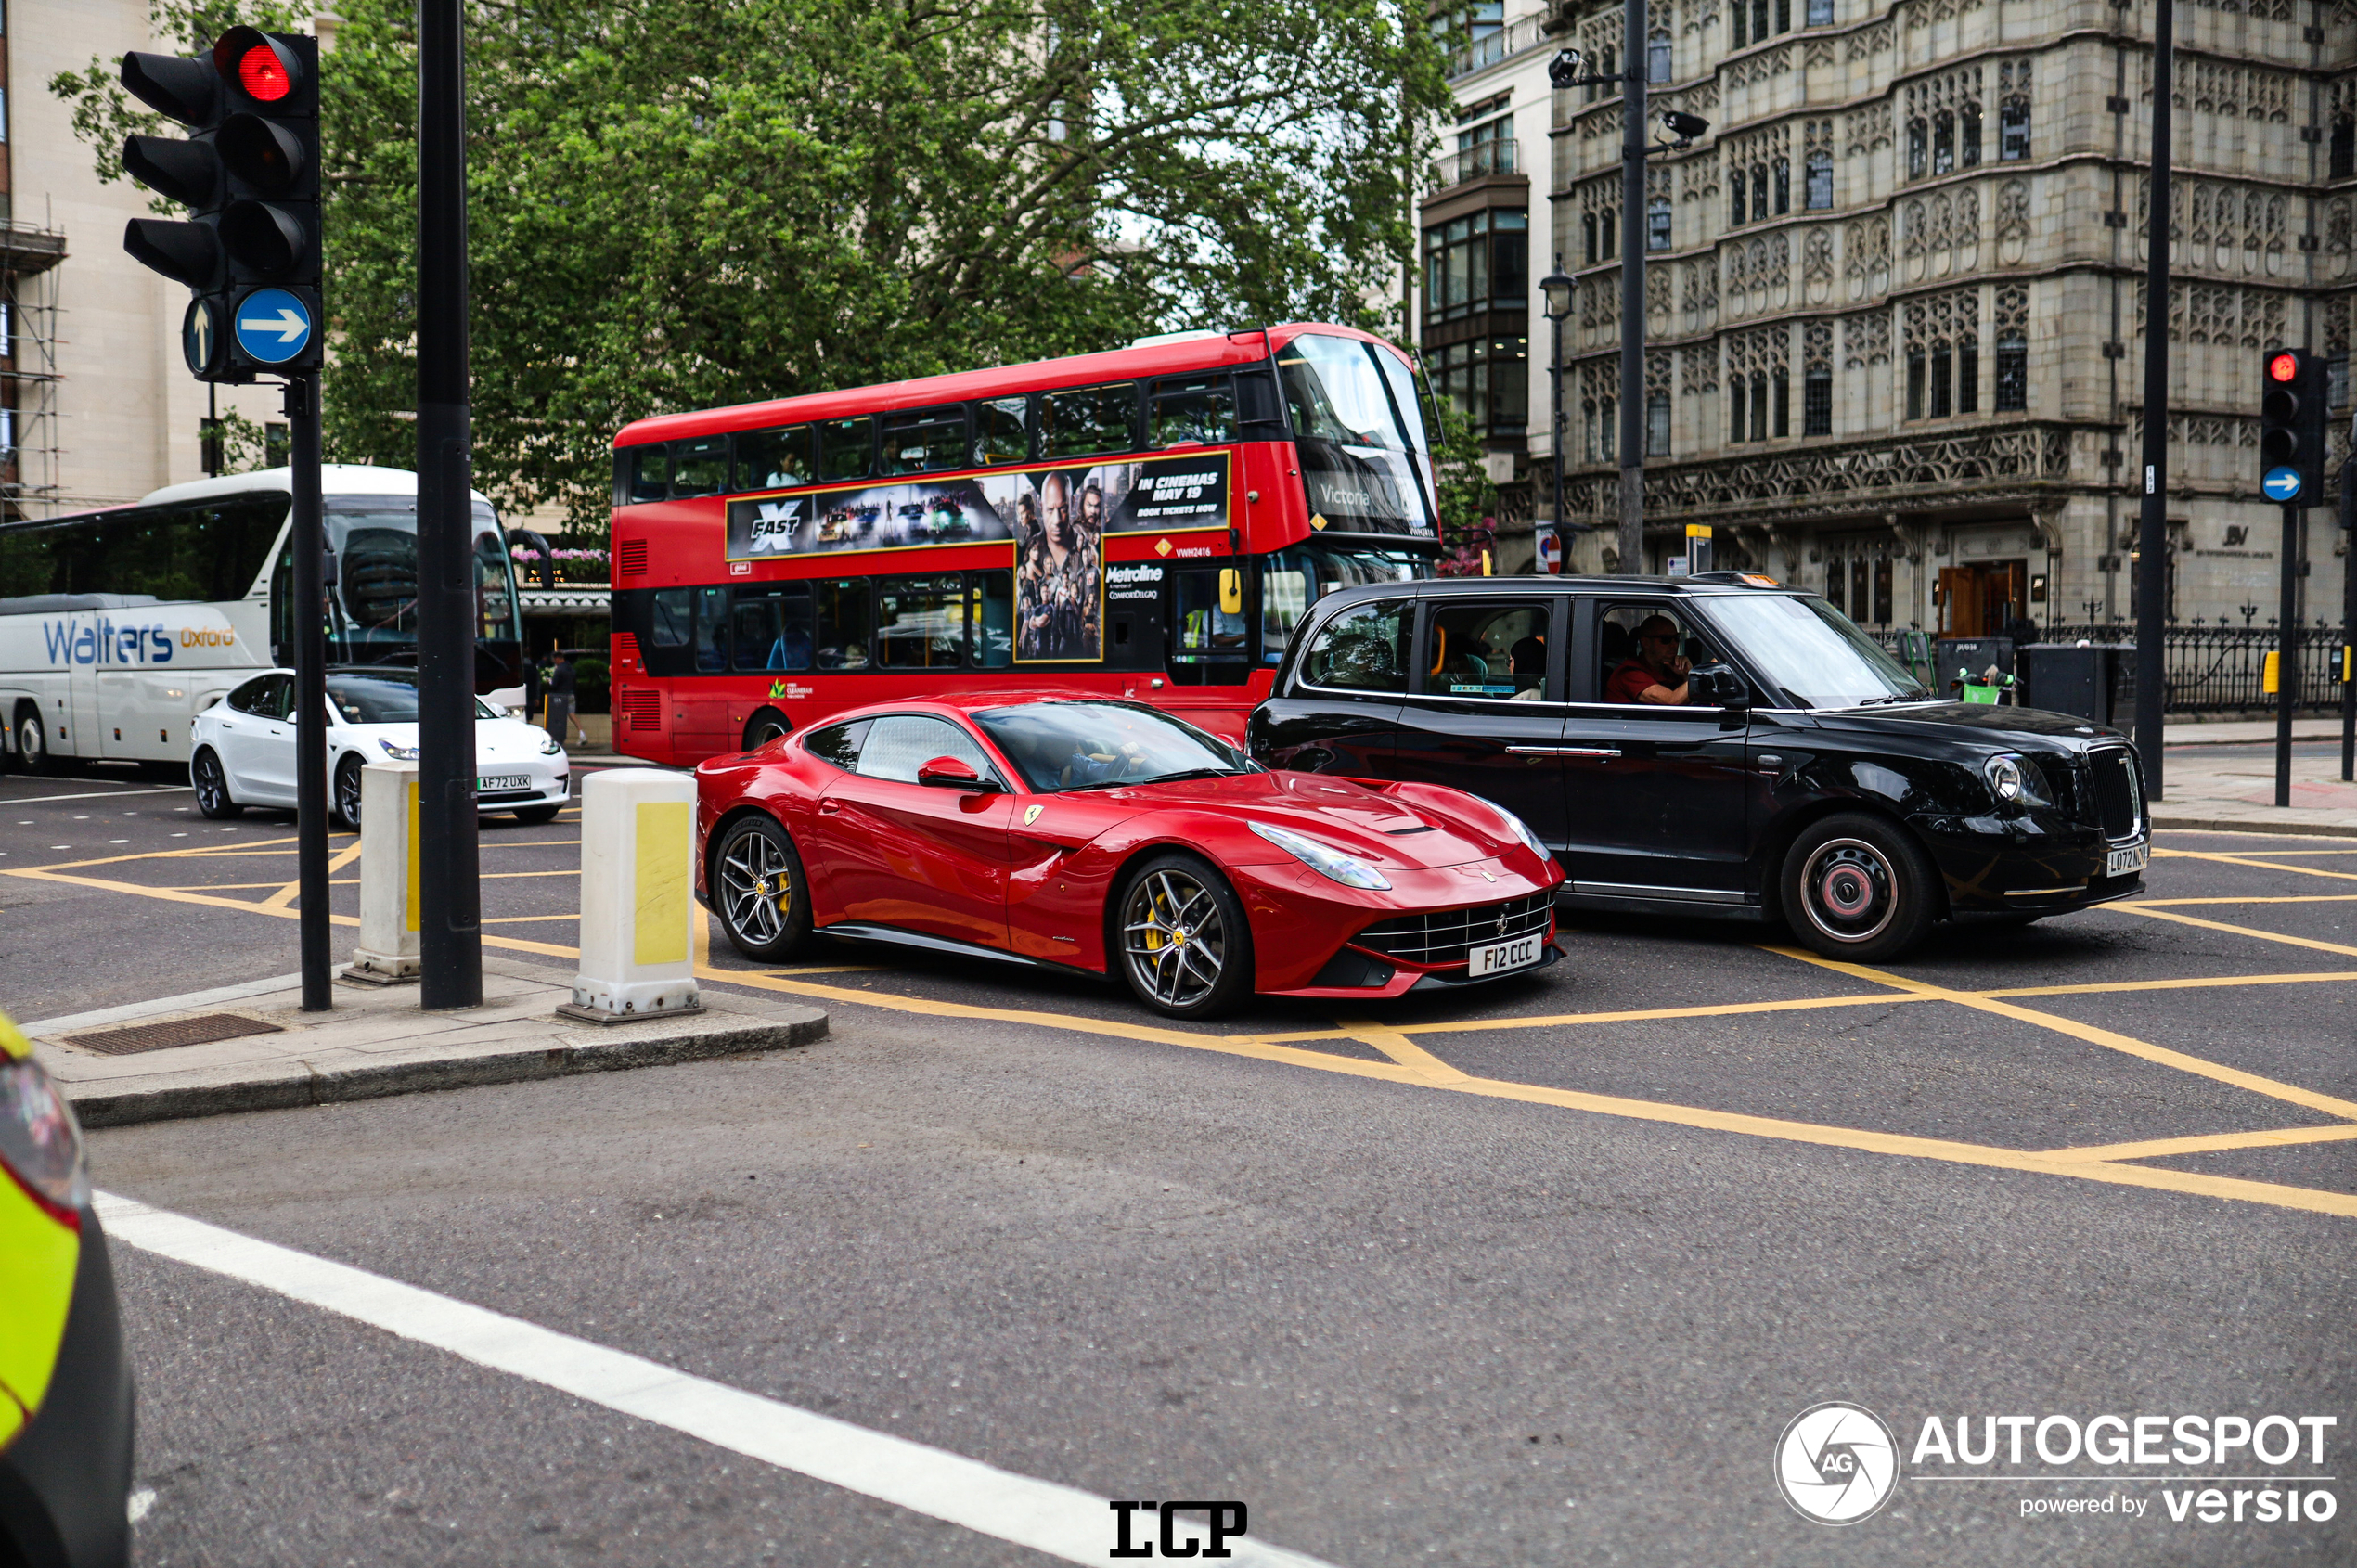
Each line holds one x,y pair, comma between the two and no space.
757,889
1859,888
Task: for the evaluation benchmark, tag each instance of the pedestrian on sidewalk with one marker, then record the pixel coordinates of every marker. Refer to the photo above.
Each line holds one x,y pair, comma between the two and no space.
561,723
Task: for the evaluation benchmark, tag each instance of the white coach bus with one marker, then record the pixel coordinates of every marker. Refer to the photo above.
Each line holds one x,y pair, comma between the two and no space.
119,626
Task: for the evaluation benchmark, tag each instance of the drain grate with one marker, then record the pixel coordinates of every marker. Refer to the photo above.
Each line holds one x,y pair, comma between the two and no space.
177,1032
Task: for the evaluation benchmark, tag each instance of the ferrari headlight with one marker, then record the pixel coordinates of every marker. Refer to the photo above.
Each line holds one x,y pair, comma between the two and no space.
40,1141
551,747
1522,828
398,753
1322,860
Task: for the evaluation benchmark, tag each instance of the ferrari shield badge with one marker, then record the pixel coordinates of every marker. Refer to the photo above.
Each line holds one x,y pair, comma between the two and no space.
1031,814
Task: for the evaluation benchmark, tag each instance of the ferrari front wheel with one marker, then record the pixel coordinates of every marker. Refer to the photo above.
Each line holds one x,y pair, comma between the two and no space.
757,889
1185,947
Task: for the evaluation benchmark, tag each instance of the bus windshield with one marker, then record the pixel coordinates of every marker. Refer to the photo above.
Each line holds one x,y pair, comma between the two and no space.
1813,651
1061,746
1364,450
1291,579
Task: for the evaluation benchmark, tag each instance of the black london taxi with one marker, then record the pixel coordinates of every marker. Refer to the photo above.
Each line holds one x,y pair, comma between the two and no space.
1714,745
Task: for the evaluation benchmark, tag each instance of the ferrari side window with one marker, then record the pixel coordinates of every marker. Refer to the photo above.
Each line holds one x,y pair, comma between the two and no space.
1364,648
898,744
838,743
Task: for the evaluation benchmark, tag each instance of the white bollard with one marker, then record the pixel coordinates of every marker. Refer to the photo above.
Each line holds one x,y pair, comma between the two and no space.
637,904
387,952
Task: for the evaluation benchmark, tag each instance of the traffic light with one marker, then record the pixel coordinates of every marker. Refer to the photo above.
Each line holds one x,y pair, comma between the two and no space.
2291,427
250,250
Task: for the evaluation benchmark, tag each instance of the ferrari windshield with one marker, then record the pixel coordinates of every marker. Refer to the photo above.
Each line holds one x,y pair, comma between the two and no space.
1813,651
1082,745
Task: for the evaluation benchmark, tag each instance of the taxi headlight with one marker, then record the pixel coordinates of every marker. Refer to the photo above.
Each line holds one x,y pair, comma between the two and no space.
40,1141
2013,781
1324,860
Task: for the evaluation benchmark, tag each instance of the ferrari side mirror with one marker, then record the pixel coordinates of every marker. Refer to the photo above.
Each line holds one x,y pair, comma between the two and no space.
949,773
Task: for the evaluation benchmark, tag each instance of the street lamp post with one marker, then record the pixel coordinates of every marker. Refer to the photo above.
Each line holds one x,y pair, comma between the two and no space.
1556,287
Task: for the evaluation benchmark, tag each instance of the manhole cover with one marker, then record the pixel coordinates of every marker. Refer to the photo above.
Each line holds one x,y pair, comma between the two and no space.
178,1032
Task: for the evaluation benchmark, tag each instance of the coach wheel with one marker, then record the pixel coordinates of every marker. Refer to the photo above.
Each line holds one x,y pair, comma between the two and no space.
1857,886
764,727
33,743
757,888
347,792
1185,946
212,787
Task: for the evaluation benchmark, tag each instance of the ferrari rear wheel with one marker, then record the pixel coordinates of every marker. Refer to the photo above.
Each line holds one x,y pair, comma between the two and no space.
757,888
1186,949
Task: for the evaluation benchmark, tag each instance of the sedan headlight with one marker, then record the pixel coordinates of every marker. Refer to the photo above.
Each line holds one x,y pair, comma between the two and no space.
551,748
398,753
2015,782
40,1141
1322,860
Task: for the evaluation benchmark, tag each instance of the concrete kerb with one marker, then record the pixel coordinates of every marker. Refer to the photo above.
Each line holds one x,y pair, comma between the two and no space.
338,1057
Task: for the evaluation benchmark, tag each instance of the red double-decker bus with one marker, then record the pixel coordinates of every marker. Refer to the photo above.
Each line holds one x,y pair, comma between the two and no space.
1151,522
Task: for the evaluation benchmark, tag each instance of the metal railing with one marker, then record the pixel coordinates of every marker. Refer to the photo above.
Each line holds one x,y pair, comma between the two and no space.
2211,669
1501,157
1479,54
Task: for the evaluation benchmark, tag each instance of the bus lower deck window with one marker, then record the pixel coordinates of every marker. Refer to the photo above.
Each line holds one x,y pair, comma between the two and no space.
921,623
845,623
773,628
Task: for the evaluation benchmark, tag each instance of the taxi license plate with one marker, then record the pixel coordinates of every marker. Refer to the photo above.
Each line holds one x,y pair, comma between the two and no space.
491,782
1499,957
2123,862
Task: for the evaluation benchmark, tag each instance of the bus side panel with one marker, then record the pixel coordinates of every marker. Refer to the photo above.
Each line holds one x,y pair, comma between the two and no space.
35,654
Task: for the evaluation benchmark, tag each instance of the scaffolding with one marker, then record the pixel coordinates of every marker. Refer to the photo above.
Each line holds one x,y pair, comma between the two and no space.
29,448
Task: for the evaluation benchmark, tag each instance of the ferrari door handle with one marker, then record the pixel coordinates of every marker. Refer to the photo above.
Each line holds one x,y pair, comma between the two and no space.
828,808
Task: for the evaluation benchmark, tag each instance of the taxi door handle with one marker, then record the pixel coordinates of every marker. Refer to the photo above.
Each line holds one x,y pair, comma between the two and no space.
1562,750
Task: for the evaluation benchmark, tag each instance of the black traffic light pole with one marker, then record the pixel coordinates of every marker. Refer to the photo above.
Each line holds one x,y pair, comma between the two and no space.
449,864
2152,527
2349,614
2287,659
311,692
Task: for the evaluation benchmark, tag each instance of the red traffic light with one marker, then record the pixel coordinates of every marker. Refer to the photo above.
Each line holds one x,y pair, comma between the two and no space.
264,76
265,71
2283,368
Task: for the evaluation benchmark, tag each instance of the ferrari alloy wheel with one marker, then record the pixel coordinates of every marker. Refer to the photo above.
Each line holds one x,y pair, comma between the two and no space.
1185,946
212,787
347,791
757,887
1858,887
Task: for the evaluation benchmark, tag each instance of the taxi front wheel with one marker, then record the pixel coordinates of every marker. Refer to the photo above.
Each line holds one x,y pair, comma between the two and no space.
1859,888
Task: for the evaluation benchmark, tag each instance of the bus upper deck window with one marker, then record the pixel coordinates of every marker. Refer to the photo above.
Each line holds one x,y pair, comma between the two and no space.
774,459
651,472
700,467
1086,420
1182,409
1002,431
924,438
847,448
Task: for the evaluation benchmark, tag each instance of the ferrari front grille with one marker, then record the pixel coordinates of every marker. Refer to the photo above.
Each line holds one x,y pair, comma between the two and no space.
1449,936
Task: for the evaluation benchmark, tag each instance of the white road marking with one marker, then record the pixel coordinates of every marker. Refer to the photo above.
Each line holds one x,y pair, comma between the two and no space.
140,1502
1060,1521
123,794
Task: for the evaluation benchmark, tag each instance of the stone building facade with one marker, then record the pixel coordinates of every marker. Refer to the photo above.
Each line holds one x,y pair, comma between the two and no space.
1895,296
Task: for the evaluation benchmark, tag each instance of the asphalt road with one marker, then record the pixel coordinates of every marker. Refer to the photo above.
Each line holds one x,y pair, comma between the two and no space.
1535,1273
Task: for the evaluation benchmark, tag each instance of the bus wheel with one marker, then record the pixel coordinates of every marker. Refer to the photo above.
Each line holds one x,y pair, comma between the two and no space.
212,787
765,726
33,744
757,886
347,792
1857,886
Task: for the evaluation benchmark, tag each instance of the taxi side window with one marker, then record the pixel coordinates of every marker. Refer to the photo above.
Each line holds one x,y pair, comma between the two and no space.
1363,648
1495,651
1620,643
838,743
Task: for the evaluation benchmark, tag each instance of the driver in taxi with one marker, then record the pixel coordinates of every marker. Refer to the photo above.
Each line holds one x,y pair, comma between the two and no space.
1657,674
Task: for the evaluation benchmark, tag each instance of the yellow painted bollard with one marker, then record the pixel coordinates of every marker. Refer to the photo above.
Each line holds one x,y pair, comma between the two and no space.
387,951
2271,678
637,896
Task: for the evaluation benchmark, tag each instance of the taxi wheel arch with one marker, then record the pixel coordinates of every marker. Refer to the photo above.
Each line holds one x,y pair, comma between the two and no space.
1778,850
792,930
1858,886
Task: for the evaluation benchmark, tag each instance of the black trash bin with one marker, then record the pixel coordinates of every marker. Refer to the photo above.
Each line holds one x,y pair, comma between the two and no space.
2095,681
1976,654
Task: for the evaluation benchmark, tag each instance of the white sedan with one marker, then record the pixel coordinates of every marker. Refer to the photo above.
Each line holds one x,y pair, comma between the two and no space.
242,749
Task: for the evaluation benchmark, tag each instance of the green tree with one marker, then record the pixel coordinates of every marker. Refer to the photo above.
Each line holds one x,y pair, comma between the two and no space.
675,203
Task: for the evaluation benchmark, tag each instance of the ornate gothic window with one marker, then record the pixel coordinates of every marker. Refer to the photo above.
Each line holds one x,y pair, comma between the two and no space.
1735,199
1658,223
2013,351
1821,13
1657,424
2013,110
1817,379
1783,186
1943,123
1820,194
1943,354
1657,57
1759,190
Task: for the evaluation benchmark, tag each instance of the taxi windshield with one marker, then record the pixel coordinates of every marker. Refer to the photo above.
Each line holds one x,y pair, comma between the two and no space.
1813,651
1060,746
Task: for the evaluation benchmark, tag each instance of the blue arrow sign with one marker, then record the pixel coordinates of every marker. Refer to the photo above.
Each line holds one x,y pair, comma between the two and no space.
2281,484
273,326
